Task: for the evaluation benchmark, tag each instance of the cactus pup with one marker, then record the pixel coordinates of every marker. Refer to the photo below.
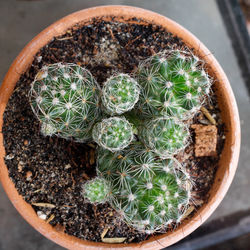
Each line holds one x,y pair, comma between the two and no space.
119,94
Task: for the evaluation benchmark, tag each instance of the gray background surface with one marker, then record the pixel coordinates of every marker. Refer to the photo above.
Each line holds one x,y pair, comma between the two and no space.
21,20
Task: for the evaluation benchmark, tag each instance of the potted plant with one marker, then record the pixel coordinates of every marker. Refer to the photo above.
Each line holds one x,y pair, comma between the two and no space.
54,174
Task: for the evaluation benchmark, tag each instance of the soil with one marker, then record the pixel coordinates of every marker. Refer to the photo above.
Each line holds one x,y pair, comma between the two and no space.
49,171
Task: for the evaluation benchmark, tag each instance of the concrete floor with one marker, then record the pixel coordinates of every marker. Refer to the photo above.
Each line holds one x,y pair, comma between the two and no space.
21,20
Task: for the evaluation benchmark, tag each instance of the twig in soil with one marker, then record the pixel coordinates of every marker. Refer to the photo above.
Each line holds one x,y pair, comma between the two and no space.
64,38
41,204
52,216
72,178
92,157
38,190
208,115
111,33
67,206
85,176
132,41
94,209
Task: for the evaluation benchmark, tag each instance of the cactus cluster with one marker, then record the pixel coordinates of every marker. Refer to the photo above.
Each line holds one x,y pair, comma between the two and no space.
65,98
148,191
174,83
137,174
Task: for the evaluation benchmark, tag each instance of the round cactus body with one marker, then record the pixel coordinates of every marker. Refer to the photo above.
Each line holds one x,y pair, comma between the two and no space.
65,98
96,190
149,192
174,84
164,135
120,93
114,133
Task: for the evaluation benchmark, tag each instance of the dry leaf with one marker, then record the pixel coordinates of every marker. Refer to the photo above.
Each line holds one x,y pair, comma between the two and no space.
104,232
113,240
188,212
41,204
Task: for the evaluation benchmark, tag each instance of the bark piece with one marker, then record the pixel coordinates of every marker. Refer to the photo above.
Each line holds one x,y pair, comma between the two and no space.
205,140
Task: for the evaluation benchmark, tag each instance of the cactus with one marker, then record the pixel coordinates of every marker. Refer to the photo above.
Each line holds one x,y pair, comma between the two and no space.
65,99
164,135
150,193
119,94
174,83
114,133
96,190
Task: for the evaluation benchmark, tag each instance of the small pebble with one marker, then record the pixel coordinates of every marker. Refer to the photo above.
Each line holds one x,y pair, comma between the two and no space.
28,175
41,215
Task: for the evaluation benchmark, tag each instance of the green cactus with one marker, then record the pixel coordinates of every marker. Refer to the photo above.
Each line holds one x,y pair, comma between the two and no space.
174,83
119,94
96,190
149,192
114,133
65,99
164,135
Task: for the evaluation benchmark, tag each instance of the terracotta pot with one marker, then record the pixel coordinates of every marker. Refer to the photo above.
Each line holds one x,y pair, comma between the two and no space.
229,158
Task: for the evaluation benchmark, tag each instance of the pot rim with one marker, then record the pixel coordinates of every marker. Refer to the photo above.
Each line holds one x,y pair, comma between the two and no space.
230,154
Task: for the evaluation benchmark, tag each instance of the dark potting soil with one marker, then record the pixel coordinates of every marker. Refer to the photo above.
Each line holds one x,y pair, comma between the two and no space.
49,171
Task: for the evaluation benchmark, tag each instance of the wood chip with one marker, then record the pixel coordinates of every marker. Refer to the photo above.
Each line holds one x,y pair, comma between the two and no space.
41,204
208,115
205,140
113,240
